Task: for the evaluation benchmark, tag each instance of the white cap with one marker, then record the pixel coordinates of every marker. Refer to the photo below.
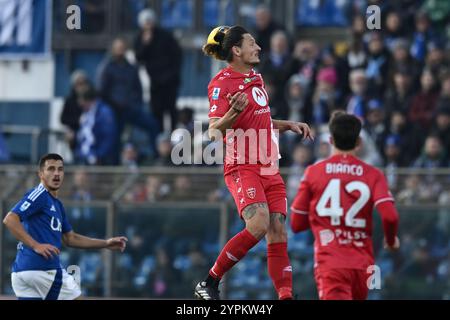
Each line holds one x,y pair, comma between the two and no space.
146,15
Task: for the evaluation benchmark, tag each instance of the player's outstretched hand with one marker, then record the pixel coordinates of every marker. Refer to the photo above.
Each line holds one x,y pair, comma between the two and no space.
394,247
46,250
238,102
117,243
301,128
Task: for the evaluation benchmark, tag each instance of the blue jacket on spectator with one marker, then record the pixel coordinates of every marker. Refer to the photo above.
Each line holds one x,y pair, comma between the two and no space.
120,85
97,138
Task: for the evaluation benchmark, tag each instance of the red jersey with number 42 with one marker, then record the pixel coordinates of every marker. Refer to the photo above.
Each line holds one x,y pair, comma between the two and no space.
261,144
339,195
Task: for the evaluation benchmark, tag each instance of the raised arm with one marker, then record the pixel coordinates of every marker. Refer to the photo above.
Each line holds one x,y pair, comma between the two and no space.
238,103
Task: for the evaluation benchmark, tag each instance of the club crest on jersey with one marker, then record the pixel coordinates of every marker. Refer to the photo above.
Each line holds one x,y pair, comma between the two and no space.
216,92
259,96
251,193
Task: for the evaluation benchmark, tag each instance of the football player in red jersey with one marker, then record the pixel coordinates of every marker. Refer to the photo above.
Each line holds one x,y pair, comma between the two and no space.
336,199
239,111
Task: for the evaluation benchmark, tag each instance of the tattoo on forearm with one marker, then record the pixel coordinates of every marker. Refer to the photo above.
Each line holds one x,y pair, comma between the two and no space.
250,211
281,218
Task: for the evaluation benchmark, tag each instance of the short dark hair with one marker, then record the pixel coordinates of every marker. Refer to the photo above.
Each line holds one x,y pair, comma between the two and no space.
345,129
227,38
88,94
49,156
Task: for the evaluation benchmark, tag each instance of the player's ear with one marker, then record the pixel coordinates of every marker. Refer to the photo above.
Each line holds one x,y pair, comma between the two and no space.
236,51
358,143
331,140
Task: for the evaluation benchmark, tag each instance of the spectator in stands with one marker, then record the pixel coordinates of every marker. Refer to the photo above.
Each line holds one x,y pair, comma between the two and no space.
377,65
358,26
323,148
422,36
197,264
325,96
356,56
414,191
97,139
94,16
442,126
186,119
302,158
296,92
130,157
410,136
4,152
71,113
376,123
435,58
153,190
438,11
423,104
304,62
182,189
357,102
276,67
265,28
433,156
401,60
163,279
394,29
120,87
161,55
164,146
392,160
399,96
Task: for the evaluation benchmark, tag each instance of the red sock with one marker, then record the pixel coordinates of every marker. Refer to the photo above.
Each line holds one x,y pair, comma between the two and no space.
280,269
234,250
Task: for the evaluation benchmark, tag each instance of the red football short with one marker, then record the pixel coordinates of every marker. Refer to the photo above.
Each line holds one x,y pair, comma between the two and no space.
342,284
248,186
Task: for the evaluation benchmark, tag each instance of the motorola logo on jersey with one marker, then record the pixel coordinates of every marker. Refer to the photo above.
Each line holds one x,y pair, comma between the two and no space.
259,96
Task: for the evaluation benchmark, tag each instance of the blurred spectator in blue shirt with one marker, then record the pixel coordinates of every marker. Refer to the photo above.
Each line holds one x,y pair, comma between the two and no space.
377,65
421,37
357,102
97,139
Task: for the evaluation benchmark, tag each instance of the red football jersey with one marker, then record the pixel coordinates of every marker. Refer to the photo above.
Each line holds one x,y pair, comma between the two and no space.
339,195
261,143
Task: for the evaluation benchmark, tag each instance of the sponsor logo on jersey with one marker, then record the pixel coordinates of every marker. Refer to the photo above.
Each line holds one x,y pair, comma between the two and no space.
25,206
213,108
248,80
216,92
326,236
259,96
53,208
56,225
